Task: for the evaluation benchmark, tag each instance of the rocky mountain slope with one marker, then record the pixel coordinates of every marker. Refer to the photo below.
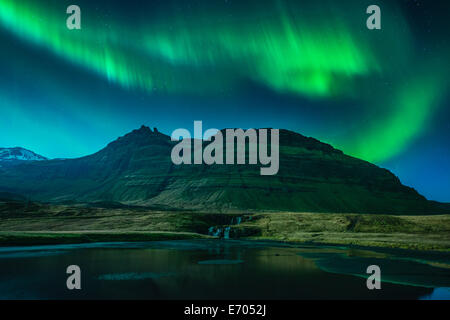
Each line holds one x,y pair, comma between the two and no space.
137,169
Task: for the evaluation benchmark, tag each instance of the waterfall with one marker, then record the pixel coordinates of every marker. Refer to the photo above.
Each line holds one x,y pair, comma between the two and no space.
215,231
224,232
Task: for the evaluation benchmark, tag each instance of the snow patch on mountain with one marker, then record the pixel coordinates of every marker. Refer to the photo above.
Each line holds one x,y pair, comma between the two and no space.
10,154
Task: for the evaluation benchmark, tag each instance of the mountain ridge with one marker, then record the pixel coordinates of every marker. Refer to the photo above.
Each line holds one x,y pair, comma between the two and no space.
136,169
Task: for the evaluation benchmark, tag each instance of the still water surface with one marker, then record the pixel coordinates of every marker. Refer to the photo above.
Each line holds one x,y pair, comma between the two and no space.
219,269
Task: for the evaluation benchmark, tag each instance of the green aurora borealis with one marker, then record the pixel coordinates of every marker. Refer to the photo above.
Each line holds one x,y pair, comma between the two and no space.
314,51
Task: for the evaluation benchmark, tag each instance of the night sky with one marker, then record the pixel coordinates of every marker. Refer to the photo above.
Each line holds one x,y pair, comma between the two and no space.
309,66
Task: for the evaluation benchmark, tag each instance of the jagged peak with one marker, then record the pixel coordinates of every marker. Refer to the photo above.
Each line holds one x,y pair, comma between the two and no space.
143,129
142,136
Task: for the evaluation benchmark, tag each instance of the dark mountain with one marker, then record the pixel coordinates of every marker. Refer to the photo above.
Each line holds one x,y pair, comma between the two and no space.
137,169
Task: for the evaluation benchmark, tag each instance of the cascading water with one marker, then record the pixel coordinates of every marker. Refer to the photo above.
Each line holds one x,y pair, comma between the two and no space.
224,232
215,231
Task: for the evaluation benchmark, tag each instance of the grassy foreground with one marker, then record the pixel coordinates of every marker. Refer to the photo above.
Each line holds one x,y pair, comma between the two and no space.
37,223
61,237
406,232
